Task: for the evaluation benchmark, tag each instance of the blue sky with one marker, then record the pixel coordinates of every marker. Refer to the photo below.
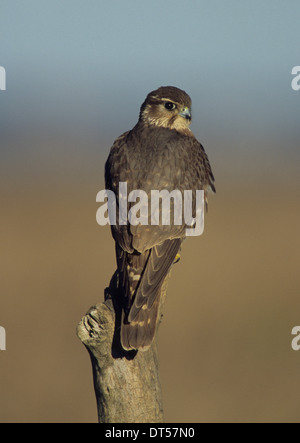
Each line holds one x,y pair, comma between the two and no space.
86,66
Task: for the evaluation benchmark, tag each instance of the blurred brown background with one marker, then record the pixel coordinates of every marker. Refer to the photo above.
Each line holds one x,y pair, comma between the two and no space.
76,74
225,341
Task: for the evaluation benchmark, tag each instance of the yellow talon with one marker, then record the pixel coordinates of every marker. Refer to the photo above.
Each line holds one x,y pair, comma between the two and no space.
177,258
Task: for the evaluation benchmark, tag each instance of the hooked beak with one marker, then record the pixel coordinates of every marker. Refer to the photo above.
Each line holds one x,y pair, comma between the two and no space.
186,113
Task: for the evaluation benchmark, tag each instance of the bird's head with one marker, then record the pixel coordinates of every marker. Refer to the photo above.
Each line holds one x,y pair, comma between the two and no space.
167,107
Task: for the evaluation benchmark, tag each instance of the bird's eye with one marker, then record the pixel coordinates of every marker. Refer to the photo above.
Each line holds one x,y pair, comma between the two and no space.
170,106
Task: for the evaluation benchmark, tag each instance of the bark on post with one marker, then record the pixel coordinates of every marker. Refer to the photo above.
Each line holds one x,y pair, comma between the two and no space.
126,384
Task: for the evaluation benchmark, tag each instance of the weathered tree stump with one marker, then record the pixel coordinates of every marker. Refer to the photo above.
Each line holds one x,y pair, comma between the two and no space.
126,383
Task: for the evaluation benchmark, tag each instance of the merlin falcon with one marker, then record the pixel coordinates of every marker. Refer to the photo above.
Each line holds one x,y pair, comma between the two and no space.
159,153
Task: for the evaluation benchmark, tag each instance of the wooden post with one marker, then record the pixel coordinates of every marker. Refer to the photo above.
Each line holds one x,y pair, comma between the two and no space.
126,383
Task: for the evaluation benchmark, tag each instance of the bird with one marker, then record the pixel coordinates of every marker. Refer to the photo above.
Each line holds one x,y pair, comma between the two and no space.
160,152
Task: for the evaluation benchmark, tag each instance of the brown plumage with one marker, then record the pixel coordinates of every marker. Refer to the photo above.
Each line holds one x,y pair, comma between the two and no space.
160,152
